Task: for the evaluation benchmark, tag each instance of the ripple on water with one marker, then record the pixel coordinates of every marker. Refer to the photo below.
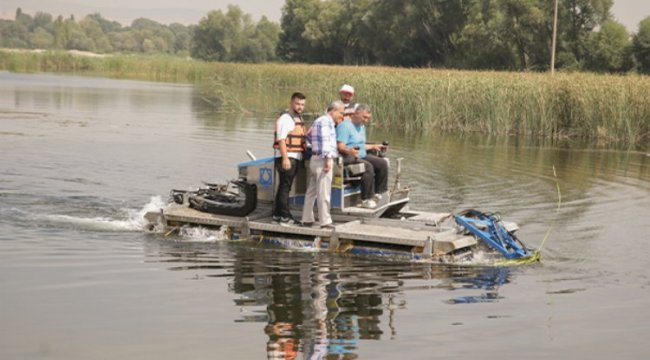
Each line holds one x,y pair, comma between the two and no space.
82,159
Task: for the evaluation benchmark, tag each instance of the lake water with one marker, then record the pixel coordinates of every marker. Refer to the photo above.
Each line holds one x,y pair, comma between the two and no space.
81,160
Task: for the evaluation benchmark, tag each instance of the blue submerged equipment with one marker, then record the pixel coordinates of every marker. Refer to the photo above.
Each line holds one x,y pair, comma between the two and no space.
489,228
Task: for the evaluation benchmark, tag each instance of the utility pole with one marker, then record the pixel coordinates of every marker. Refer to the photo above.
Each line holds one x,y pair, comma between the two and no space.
554,38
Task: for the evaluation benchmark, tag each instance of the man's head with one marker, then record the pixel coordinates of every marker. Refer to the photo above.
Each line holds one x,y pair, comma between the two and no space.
346,92
361,115
297,104
335,110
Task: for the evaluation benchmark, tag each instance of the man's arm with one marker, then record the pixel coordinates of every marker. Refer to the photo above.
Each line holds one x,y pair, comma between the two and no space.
376,147
282,144
286,163
347,151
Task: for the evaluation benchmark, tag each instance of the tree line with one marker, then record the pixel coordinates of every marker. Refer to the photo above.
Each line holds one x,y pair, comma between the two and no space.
463,34
93,33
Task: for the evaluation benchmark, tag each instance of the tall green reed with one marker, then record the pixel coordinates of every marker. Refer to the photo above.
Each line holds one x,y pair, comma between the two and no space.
567,105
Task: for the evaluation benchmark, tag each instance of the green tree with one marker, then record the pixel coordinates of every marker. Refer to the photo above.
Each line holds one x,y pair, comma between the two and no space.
267,35
641,45
336,32
17,33
42,20
95,34
161,38
41,39
75,38
482,44
233,36
106,25
60,33
23,19
124,41
292,45
211,38
527,25
610,48
13,34
416,32
577,20
182,38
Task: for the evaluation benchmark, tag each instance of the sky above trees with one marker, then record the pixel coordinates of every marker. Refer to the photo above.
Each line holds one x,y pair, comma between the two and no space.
628,12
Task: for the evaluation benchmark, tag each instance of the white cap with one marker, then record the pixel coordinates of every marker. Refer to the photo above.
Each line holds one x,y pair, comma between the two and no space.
347,88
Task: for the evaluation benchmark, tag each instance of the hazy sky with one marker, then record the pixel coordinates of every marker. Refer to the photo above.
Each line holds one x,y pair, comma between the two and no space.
629,12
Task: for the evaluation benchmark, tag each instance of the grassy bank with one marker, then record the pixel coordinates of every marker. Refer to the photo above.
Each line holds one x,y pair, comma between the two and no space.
604,107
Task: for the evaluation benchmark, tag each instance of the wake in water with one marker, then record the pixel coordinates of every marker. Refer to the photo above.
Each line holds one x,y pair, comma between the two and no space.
199,234
30,211
133,221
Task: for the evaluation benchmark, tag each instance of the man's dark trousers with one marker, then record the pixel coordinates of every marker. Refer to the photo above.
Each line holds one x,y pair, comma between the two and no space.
285,178
375,179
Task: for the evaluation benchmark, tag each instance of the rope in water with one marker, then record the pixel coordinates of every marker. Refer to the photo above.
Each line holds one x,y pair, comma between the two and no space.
537,255
557,211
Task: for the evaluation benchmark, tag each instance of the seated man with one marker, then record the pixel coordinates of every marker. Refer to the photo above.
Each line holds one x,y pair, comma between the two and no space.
351,142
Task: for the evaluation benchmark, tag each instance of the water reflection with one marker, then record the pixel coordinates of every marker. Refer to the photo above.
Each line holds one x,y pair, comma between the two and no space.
321,305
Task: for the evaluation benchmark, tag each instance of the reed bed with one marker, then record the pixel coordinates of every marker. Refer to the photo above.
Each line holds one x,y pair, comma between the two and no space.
567,105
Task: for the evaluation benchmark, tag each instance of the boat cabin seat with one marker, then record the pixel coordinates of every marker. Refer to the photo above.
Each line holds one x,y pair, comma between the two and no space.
349,173
346,186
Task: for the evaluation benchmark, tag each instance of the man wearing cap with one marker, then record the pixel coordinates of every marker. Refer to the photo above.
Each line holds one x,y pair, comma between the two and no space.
347,93
351,141
322,137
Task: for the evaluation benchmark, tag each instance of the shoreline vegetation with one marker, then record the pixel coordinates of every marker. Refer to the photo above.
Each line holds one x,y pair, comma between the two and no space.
596,107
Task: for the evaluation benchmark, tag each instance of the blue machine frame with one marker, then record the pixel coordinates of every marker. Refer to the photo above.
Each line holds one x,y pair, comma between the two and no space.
490,230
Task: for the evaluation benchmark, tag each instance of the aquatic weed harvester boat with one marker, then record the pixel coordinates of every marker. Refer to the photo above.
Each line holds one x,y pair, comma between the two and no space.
391,229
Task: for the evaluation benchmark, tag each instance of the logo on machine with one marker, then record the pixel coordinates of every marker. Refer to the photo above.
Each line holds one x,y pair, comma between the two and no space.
266,177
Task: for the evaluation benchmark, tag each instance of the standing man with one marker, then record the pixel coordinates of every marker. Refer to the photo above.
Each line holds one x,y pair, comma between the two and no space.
351,138
322,137
289,144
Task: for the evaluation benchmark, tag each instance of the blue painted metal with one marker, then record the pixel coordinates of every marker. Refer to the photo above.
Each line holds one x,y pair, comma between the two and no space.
490,230
266,160
266,177
335,199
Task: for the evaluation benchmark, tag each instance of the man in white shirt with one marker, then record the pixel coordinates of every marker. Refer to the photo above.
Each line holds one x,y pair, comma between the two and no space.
289,144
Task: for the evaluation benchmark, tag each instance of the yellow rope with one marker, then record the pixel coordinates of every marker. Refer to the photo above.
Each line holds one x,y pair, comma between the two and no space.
557,211
537,255
175,228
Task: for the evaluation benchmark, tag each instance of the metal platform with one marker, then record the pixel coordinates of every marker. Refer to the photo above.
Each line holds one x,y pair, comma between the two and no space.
421,235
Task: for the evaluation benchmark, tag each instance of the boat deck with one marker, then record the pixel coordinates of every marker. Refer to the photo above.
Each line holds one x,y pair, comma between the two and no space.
420,233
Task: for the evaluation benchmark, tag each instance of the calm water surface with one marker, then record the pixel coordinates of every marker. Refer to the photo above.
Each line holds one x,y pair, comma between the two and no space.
81,159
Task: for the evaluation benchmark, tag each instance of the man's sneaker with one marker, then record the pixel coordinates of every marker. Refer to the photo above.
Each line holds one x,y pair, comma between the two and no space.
287,221
379,197
369,204
276,219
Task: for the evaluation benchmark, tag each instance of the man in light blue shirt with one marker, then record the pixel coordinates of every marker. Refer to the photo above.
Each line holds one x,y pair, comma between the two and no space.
322,137
351,138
